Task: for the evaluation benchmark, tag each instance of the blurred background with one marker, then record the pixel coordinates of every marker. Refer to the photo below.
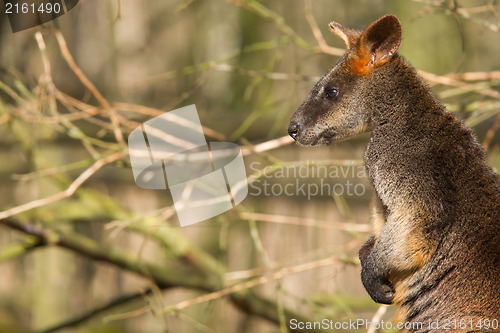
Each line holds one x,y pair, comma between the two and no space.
83,249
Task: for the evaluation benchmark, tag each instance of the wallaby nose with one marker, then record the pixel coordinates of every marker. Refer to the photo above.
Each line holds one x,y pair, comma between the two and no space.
293,130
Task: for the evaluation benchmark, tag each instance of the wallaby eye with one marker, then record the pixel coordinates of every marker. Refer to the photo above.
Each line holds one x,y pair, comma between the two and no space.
331,92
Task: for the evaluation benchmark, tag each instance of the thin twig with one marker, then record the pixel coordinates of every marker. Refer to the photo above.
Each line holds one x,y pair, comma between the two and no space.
306,222
490,134
253,283
223,67
266,13
47,73
16,249
449,81
267,145
66,193
52,171
462,12
323,46
156,112
377,317
89,85
475,76
97,311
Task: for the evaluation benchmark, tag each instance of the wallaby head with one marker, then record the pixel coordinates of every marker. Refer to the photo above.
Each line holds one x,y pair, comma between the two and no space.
337,108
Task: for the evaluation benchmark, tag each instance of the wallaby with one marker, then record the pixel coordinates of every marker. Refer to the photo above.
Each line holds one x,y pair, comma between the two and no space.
435,252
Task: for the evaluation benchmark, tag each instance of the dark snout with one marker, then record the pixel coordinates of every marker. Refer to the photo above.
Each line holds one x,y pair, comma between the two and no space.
301,129
305,127
294,129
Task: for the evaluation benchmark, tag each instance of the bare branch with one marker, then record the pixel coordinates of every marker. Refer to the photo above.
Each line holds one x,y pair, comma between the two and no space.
89,85
377,317
306,222
63,194
323,46
254,282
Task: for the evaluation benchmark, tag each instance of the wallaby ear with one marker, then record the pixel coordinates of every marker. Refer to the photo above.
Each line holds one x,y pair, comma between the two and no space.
348,35
377,44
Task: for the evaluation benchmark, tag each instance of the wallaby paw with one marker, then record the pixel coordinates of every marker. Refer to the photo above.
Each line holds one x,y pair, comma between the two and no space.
377,286
383,294
375,282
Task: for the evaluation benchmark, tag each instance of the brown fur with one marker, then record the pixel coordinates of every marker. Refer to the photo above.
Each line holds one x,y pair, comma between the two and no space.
435,252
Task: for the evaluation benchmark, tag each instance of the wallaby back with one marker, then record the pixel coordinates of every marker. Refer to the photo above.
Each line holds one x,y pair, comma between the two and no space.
435,252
